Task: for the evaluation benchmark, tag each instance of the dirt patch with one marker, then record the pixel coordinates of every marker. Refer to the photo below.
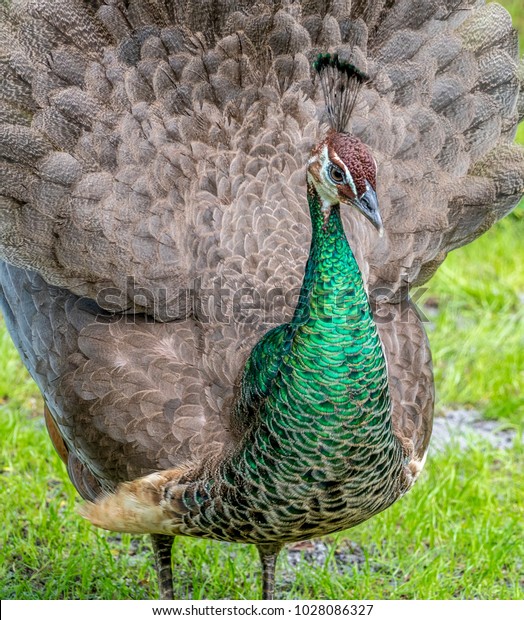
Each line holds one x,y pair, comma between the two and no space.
316,552
464,427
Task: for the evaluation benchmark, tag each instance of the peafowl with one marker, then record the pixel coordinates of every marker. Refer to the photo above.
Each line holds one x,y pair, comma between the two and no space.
212,215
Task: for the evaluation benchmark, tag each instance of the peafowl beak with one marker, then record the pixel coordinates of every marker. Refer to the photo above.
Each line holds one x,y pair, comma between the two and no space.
367,204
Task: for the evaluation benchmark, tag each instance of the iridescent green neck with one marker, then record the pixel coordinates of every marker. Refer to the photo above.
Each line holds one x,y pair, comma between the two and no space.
328,239
330,349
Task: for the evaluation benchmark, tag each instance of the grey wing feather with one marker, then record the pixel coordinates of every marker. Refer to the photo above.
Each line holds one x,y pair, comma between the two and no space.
410,374
128,396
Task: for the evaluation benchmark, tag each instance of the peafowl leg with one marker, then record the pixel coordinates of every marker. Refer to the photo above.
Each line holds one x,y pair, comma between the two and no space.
268,557
162,545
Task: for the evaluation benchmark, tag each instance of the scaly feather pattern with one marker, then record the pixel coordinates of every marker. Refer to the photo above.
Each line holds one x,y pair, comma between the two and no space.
154,228
321,454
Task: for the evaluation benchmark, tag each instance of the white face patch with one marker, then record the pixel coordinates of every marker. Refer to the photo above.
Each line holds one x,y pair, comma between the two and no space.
326,189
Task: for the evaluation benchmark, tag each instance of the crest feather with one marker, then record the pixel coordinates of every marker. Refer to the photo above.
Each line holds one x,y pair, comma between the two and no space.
341,82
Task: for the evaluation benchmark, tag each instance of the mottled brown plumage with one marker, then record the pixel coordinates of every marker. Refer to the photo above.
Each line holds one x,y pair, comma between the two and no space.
153,212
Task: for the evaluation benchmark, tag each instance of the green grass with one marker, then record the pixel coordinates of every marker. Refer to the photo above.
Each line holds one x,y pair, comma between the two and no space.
477,337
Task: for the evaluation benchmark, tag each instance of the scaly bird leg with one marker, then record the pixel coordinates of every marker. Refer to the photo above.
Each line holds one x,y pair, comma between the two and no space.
268,557
162,545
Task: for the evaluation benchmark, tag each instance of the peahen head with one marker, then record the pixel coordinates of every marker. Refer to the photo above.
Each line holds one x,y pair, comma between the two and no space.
341,169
